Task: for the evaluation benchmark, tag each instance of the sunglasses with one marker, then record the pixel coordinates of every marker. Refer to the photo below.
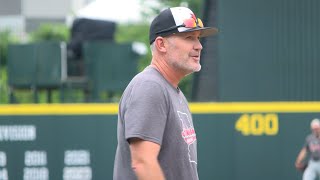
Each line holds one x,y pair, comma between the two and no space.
188,23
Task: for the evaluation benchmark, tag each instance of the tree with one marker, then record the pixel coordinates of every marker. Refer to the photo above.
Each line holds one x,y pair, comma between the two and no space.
57,32
5,39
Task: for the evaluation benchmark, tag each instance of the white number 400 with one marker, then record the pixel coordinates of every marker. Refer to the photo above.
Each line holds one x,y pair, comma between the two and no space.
258,124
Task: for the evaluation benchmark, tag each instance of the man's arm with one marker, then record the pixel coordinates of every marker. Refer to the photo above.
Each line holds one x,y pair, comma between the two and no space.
144,156
299,162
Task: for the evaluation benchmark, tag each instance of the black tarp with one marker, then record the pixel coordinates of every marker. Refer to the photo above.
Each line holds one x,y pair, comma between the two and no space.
84,29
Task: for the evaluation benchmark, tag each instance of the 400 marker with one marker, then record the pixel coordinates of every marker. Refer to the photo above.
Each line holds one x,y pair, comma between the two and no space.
258,124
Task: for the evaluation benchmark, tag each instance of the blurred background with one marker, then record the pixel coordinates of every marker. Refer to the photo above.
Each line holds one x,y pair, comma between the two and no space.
65,63
70,31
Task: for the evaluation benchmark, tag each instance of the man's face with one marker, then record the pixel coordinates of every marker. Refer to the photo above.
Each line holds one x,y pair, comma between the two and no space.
183,52
316,131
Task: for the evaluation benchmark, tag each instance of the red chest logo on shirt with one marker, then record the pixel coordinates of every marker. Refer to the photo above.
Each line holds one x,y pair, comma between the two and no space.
189,135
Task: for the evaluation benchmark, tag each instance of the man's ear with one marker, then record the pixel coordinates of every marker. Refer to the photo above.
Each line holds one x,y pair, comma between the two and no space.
161,44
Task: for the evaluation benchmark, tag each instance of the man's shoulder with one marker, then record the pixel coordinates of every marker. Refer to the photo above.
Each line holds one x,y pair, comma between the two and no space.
145,86
311,137
148,75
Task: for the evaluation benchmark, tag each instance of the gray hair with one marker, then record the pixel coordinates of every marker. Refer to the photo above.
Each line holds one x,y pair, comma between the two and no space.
152,46
315,123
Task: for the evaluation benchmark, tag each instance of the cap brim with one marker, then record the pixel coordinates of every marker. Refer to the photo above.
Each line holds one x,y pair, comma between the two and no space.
205,31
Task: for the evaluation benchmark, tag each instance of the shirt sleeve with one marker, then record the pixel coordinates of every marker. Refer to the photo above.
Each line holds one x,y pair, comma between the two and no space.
146,112
306,143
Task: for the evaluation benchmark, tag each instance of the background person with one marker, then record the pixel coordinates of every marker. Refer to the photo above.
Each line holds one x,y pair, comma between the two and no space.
311,148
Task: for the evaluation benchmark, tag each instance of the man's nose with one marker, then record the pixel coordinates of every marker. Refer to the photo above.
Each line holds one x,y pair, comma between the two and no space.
198,45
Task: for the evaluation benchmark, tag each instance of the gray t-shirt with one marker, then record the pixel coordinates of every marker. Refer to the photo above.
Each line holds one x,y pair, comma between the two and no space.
313,147
153,110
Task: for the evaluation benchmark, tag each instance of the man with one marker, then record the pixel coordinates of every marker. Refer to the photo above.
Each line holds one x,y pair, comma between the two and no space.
156,136
311,148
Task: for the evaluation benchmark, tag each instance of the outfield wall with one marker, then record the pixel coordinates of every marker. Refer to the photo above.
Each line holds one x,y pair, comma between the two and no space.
241,141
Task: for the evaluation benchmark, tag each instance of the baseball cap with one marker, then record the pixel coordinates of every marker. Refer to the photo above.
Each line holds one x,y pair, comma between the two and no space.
176,20
315,123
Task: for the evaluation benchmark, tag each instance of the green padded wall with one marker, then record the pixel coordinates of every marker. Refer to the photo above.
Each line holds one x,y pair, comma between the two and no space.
110,66
21,65
269,50
40,64
51,64
235,140
266,50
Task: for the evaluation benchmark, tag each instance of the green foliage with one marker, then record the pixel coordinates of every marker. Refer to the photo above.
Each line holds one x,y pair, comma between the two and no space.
124,33
59,32
5,39
132,33
196,7
3,86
